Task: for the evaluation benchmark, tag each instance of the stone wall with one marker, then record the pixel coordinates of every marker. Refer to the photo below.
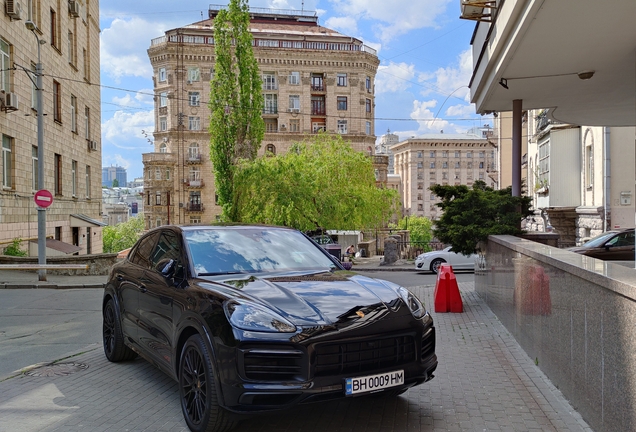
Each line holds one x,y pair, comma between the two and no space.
98,264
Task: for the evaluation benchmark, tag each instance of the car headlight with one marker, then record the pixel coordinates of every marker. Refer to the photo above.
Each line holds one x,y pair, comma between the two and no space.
414,304
250,316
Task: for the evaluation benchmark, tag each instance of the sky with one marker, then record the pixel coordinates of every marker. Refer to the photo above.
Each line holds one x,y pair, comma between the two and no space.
421,85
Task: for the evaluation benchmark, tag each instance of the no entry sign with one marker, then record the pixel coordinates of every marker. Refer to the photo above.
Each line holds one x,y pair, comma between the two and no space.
43,198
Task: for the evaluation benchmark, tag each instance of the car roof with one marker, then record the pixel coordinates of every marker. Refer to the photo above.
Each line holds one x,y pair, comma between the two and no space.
187,227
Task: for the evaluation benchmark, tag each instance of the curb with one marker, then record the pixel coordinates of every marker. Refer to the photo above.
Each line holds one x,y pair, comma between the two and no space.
50,286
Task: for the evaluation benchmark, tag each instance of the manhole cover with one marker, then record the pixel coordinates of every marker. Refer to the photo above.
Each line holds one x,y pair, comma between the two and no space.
57,369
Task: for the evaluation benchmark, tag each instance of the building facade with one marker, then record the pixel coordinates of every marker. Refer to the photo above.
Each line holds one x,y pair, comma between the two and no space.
111,173
383,146
65,37
447,159
314,79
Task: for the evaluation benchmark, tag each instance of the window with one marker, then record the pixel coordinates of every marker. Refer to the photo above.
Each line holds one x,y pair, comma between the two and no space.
34,89
5,66
444,164
158,202
368,128
481,165
271,125
162,74
431,175
432,166
589,166
85,63
157,173
342,103
445,153
456,154
194,123
482,155
469,154
269,81
316,82
53,36
163,99
167,173
481,176
87,122
368,105
444,176
193,151
193,74
469,165
544,163
420,185
342,80
88,182
294,102
195,219
419,154
270,101
195,174
73,114
7,162
193,98
74,178
57,102
294,125
270,149
368,84
57,172
457,165
163,124
342,126
163,148
294,78
71,48
34,168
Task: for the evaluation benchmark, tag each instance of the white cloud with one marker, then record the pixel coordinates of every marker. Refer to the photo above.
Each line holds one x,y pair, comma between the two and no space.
397,16
124,45
116,160
123,126
394,78
451,81
461,110
347,25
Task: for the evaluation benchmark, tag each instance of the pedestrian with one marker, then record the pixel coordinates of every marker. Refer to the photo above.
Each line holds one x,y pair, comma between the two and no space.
350,252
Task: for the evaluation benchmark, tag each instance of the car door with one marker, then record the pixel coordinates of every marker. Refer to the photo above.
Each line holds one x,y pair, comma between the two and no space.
130,278
156,300
619,248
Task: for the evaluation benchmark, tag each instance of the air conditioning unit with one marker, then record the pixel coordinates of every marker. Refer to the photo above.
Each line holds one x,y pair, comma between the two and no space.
74,8
92,145
10,102
294,110
13,9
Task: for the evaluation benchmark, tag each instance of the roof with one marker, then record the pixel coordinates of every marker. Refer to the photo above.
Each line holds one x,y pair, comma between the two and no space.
82,220
60,246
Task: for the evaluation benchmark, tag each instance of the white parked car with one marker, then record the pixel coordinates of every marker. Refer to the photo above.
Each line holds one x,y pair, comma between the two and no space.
432,260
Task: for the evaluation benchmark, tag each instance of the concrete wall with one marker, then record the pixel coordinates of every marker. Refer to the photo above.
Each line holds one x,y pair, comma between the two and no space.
98,264
574,316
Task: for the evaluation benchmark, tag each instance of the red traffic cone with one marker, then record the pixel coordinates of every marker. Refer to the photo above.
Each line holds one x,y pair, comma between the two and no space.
447,297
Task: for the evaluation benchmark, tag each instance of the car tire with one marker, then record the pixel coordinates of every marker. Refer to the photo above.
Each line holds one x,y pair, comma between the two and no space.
197,390
435,265
112,336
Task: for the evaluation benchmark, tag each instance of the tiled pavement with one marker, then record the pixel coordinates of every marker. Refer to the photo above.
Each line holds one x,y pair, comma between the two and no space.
484,382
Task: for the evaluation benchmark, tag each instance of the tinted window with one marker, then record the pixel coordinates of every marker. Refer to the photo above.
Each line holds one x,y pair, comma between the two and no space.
219,251
141,253
167,248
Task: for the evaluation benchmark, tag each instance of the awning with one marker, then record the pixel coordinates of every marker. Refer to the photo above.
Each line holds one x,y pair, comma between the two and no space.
81,220
60,246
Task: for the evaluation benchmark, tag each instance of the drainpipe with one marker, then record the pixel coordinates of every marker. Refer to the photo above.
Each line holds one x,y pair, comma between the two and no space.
607,170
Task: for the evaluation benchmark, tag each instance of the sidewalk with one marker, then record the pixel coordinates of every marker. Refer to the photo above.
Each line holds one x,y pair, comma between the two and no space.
28,279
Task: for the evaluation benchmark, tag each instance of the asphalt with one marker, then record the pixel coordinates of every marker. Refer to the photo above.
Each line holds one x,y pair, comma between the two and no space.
29,279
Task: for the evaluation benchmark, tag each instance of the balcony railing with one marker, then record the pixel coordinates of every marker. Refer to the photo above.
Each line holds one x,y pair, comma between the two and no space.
164,158
270,110
194,158
318,108
318,87
194,207
195,183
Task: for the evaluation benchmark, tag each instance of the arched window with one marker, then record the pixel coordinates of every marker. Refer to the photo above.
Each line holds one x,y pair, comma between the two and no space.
270,149
163,148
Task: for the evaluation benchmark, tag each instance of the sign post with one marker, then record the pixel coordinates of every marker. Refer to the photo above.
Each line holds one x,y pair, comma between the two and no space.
43,198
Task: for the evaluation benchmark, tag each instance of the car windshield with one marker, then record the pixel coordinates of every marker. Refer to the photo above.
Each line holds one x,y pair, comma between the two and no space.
599,240
253,250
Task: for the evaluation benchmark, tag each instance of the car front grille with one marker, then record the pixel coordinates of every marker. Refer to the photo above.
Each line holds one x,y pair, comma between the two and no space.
428,344
363,355
272,364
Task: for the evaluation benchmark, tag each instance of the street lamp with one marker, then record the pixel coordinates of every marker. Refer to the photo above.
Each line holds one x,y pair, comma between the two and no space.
41,210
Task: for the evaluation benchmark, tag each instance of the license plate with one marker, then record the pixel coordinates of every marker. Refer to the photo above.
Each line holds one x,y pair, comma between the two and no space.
373,382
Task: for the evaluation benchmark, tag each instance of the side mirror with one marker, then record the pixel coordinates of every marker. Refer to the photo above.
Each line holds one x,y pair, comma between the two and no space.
166,267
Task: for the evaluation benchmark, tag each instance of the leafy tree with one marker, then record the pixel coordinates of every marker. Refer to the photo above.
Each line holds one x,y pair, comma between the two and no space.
236,101
124,235
420,229
321,184
14,249
115,183
471,215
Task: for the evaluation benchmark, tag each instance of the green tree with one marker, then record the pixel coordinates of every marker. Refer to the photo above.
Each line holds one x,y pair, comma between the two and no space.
14,249
420,229
124,235
471,215
115,183
236,101
321,184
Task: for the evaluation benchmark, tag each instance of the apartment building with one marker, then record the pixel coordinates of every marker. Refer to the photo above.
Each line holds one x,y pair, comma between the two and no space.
447,159
64,35
383,146
314,79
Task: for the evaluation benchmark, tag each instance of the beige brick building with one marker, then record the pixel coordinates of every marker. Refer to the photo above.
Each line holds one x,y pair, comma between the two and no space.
314,79
448,159
69,52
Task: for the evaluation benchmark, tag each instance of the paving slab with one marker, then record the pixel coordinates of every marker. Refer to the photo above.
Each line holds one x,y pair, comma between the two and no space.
484,382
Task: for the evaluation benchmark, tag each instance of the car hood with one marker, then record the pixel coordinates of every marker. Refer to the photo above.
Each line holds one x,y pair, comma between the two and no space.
317,299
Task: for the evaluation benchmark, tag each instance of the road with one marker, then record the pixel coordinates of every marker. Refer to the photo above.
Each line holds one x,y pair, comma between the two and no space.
411,279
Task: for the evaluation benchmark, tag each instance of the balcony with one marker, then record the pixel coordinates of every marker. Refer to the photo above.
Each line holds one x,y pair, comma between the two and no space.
318,87
195,184
159,158
194,207
318,107
269,110
194,158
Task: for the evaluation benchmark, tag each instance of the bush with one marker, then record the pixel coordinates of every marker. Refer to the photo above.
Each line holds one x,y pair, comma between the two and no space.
14,249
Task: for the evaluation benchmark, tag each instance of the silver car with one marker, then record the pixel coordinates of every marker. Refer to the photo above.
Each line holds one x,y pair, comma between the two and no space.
432,260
